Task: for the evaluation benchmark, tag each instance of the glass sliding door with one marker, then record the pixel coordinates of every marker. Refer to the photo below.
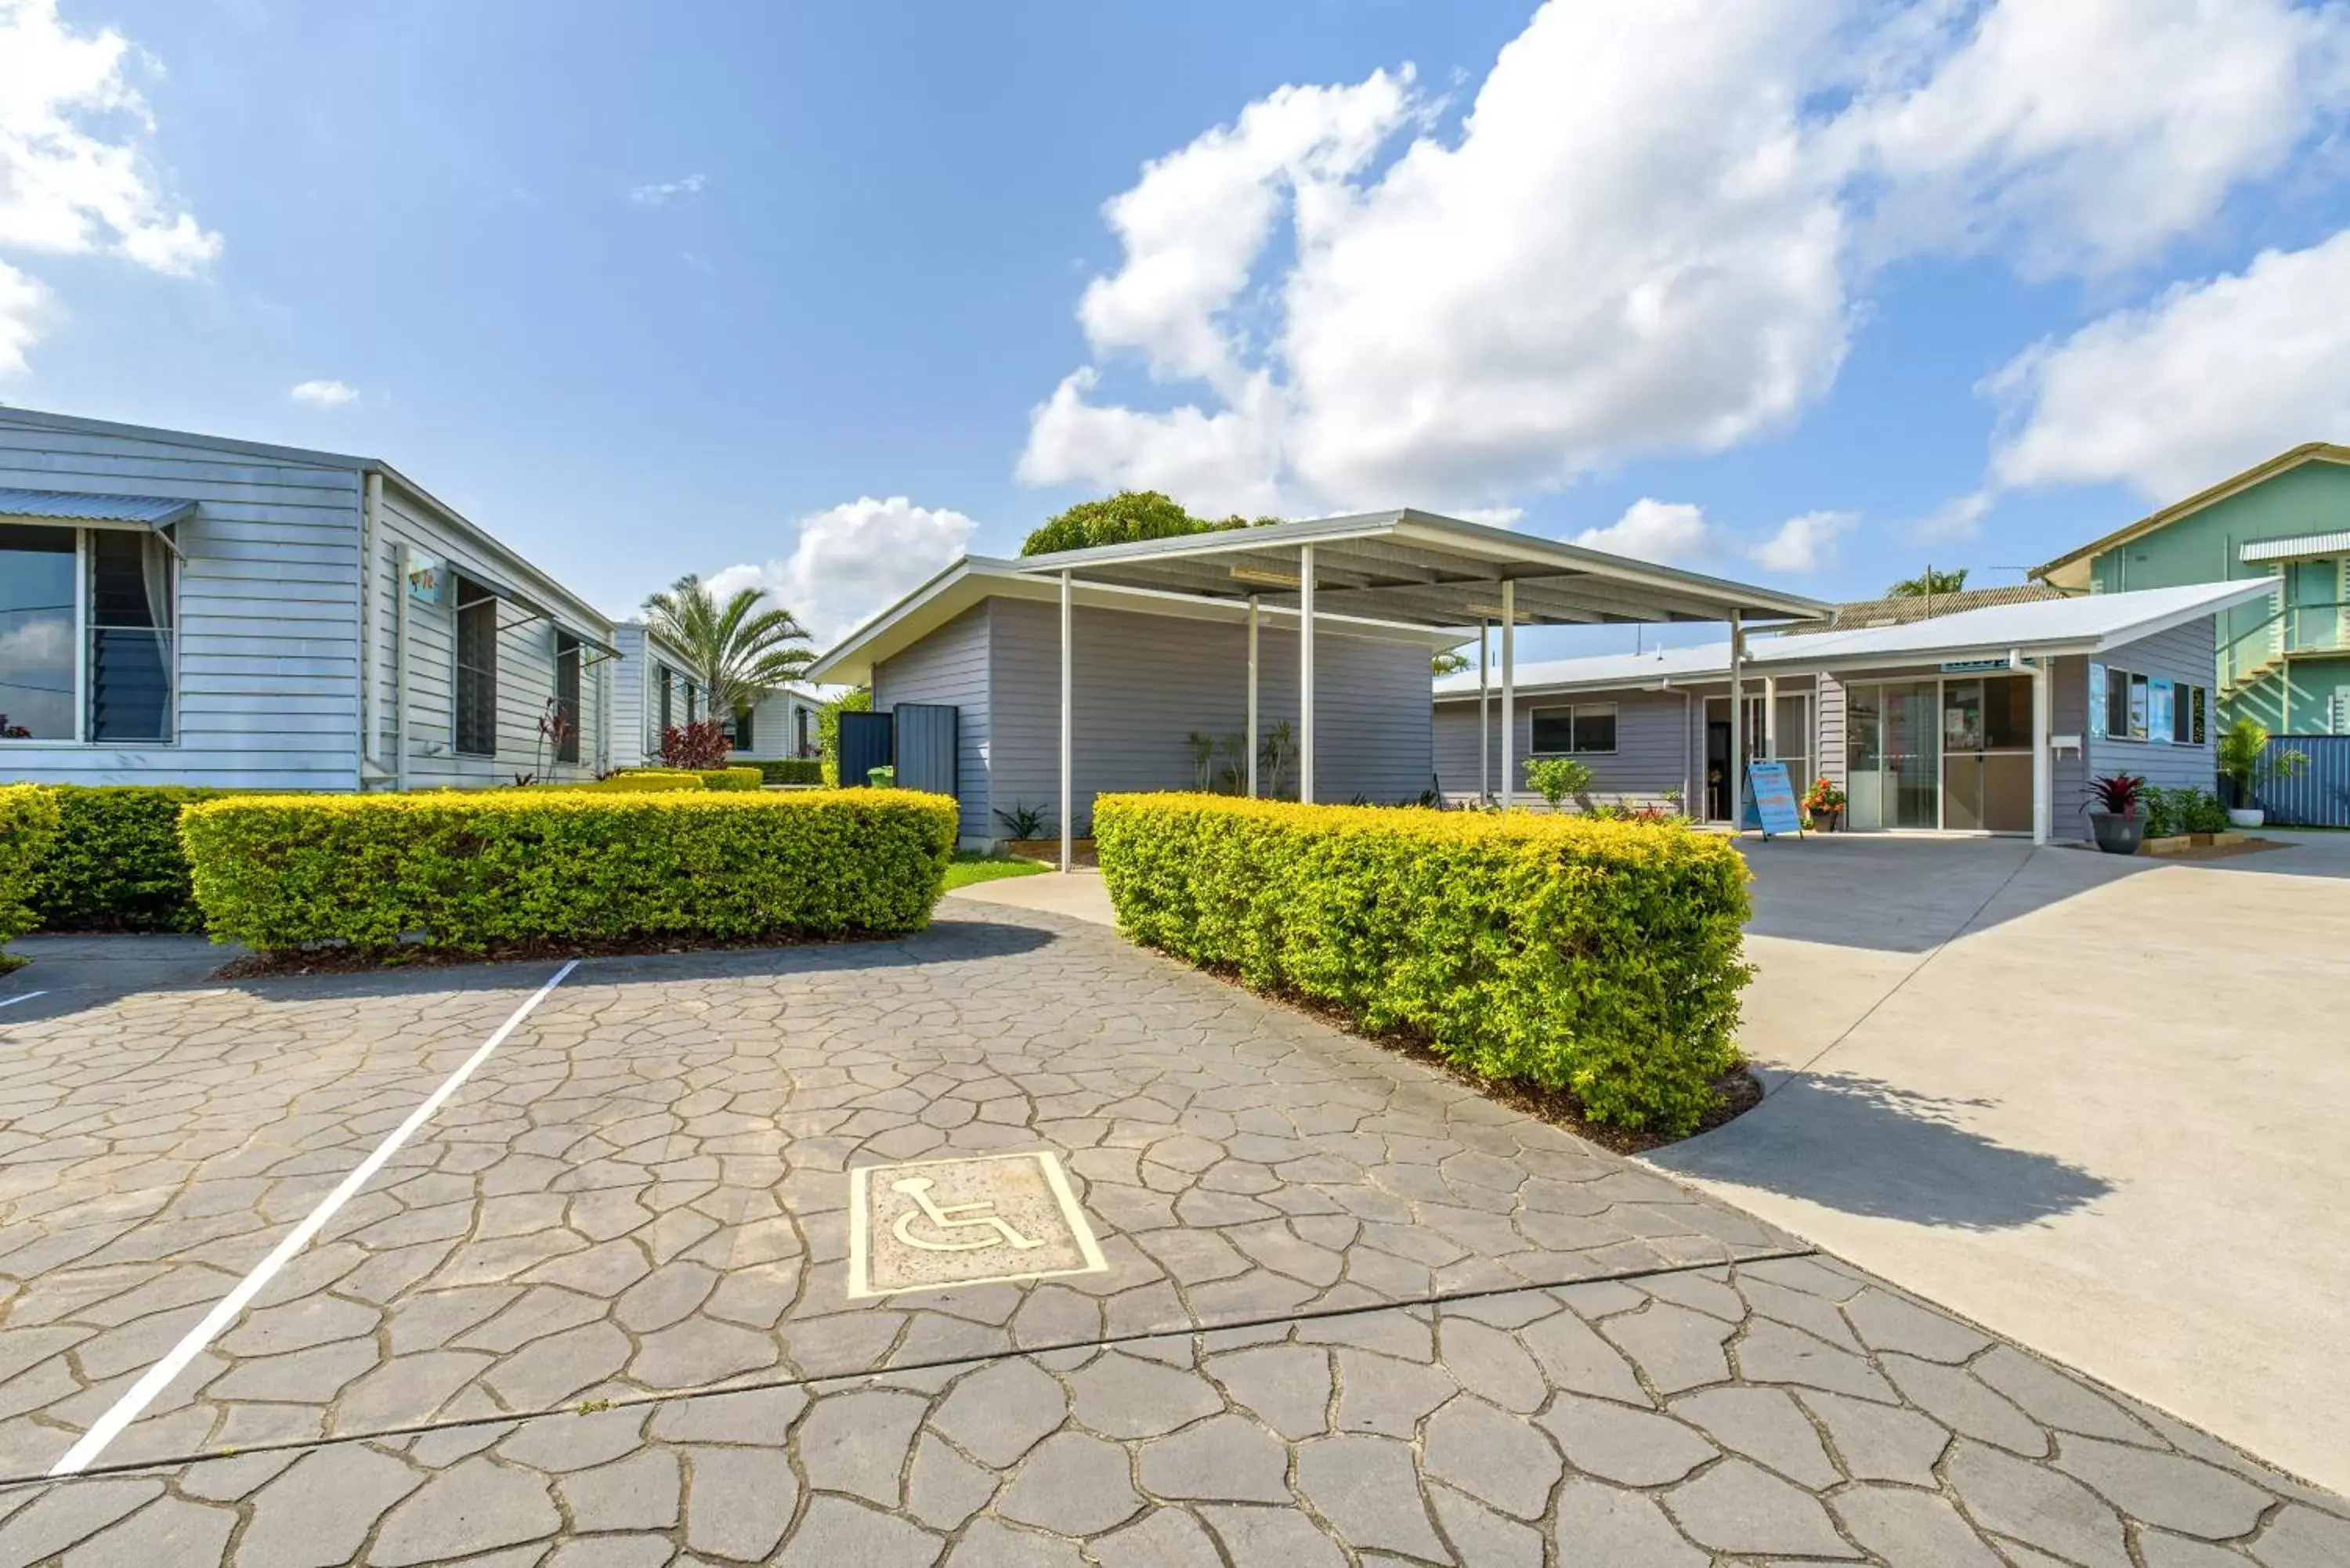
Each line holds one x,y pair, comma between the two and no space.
1913,754
1987,754
1864,788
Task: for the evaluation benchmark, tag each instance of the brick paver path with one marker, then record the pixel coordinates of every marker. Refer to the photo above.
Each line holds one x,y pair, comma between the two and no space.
597,1312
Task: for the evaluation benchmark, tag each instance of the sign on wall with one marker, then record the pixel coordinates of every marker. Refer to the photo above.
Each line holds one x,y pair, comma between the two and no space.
428,579
1774,794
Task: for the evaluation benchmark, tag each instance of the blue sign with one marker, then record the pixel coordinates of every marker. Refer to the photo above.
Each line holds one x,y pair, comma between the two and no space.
1773,796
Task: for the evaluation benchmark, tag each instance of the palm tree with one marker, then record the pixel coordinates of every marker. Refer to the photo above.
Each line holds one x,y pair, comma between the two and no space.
737,651
1931,585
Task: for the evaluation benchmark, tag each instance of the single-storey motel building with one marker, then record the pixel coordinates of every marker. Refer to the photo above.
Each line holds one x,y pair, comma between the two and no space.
1290,659
1990,720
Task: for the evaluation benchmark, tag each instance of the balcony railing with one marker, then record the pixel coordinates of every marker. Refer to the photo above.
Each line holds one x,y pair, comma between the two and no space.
2322,627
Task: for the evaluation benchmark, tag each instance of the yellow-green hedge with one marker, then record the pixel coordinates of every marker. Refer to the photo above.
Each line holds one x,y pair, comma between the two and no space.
472,870
28,824
742,775
644,778
1601,957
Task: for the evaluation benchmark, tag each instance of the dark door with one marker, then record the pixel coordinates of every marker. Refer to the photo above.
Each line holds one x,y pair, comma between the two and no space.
925,742
864,745
1717,770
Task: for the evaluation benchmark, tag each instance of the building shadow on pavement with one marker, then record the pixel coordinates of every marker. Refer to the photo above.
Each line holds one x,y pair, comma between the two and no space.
1864,1146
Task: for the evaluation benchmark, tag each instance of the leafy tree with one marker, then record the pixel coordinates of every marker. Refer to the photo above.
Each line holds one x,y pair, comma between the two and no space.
1121,519
736,651
1928,583
1447,662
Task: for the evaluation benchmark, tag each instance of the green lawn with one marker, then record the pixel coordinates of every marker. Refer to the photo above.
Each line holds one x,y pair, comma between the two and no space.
970,867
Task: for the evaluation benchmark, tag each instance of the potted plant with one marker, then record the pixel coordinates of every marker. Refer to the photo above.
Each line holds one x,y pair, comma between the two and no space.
1824,803
2116,821
882,777
2246,762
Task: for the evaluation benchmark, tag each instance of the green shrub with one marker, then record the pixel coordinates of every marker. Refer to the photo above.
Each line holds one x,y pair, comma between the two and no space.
1556,778
791,771
116,864
740,776
645,779
470,870
1600,957
2172,812
28,824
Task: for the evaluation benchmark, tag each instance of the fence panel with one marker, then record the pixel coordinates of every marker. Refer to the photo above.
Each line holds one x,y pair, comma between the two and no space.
2319,797
926,746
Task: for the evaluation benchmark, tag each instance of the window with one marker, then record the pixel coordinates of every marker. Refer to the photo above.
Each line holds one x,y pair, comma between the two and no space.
36,634
738,729
666,684
1586,727
477,670
567,695
115,586
2134,707
800,729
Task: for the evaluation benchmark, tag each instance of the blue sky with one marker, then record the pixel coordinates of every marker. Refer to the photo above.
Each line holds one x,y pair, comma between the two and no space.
649,290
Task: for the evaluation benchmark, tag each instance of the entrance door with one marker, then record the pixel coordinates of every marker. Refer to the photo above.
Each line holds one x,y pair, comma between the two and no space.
1912,744
1717,771
1987,754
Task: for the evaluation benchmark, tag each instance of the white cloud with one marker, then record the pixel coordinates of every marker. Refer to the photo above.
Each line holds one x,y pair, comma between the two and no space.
1667,531
2209,378
75,175
1648,236
1804,543
2088,133
325,394
853,560
657,195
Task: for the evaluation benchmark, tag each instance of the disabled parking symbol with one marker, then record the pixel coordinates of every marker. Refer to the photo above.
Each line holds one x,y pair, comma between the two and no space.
937,1223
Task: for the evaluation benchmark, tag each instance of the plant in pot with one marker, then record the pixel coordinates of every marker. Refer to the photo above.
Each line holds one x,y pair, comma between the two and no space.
1824,803
2246,762
2117,818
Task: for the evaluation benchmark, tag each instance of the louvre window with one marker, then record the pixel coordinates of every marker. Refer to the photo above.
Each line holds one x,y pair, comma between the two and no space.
566,696
477,670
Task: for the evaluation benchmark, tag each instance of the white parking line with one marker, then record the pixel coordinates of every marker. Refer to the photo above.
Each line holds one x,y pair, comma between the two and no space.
27,996
158,1376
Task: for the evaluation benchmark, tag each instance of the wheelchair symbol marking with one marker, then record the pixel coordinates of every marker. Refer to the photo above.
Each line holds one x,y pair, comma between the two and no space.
953,1217
944,1224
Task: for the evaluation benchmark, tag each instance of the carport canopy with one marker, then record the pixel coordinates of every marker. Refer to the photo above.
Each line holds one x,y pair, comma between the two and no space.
1408,568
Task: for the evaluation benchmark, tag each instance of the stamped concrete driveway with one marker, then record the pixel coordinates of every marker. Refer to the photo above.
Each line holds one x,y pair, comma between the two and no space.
453,1267
2094,1104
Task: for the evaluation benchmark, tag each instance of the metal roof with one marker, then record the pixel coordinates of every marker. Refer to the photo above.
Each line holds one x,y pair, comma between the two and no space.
71,506
1421,569
2088,624
2332,544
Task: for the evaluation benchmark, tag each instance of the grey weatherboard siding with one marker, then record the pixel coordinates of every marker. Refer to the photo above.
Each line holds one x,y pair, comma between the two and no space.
2183,654
267,632
1652,754
1142,683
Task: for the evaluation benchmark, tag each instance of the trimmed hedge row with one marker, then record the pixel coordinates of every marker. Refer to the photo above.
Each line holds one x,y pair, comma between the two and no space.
791,771
116,864
1600,957
645,779
28,821
468,871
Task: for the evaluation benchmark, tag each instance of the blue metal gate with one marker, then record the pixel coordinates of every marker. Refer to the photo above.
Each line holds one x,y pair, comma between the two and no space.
926,746
2319,797
864,745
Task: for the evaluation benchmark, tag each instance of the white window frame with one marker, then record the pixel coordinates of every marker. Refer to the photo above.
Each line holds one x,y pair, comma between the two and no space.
81,736
1615,712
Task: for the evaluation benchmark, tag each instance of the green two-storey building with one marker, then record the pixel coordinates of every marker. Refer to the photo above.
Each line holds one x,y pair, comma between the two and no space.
2285,660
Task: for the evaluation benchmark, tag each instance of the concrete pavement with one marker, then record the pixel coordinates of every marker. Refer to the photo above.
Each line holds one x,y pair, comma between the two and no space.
2092,1104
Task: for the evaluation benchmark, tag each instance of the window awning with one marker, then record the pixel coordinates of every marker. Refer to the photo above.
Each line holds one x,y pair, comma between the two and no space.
2334,544
87,511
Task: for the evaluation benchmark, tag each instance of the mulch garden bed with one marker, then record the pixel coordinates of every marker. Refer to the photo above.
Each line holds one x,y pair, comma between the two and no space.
375,961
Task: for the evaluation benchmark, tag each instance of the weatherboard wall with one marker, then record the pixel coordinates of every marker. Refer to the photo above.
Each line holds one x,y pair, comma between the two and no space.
266,622
951,666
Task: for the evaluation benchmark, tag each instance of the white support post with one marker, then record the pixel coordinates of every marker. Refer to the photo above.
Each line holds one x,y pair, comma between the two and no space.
1737,724
1306,674
1484,730
1509,685
1252,699
1770,716
2043,771
1068,729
